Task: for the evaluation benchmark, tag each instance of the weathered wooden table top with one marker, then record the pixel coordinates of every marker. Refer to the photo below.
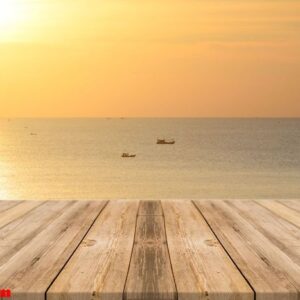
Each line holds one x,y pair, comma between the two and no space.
206,249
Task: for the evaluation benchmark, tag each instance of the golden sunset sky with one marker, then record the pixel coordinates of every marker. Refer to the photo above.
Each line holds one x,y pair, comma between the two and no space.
143,58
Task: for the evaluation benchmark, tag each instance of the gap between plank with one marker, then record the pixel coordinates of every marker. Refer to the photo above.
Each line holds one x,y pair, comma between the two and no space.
88,230
252,288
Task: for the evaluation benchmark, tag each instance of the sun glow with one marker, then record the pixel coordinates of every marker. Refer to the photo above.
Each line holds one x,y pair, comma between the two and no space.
9,13
14,15
64,58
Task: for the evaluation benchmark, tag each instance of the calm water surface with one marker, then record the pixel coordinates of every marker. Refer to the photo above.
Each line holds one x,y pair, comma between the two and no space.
212,158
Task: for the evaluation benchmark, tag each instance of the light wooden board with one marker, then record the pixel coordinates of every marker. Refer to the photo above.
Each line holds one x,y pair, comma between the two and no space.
29,271
16,211
282,211
212,250
293,204
4,205
201,267
99,267
17,234
150,274
271,272
280,232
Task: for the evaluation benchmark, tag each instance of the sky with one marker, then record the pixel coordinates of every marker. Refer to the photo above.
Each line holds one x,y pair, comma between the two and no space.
150,58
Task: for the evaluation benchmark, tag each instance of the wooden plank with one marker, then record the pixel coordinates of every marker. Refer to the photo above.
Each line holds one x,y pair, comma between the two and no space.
201,267
293,204
17,211
99,267
149,207
150,229
29,271
5,204
150,274
270,271
15,235
282,211
283,234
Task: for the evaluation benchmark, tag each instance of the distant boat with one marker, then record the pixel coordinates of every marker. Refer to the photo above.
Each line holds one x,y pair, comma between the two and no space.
165,142
126,154
32,133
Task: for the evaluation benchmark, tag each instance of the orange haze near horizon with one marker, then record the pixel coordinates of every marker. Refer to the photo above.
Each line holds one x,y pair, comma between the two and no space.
181,58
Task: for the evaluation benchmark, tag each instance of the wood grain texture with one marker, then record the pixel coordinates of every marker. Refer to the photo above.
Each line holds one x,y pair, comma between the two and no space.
150,274
152,208
4,205
201,267
17,234
150,229
269,270
293,204
29,270
99,267
282,211
16,211
281,233
212,250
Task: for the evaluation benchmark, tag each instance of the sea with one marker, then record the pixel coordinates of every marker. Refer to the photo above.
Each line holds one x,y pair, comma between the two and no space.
67,159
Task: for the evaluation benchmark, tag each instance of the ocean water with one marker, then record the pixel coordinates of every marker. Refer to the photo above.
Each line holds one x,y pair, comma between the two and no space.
212,158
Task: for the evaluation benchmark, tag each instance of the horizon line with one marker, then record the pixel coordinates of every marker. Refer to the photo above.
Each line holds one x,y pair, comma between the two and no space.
153,117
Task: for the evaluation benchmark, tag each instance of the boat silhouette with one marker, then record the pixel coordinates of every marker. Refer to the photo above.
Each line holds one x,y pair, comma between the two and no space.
126,154
165,142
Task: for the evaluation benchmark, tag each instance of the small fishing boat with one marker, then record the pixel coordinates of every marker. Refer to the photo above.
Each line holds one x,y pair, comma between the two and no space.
126,154
165,142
